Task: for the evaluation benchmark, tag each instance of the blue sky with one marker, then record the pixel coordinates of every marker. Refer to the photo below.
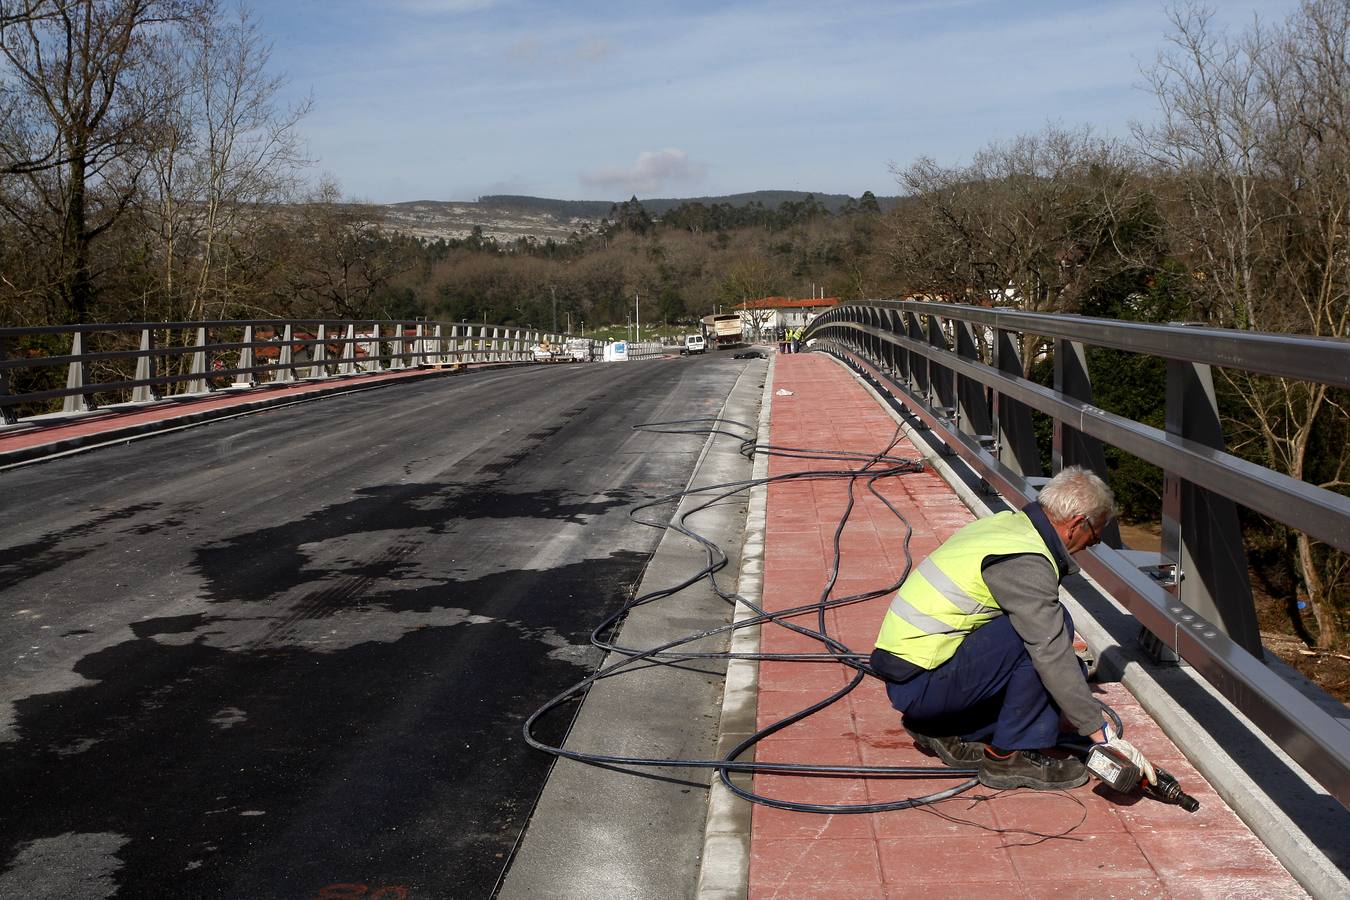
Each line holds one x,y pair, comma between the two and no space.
451,99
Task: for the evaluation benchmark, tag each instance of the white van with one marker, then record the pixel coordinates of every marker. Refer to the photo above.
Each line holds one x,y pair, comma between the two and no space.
694,343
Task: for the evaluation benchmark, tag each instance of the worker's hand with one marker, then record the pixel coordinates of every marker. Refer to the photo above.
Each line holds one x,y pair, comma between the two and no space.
1130,751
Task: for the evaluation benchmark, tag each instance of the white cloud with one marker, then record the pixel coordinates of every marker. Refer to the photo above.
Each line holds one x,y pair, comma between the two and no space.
594,50
650,174
526,49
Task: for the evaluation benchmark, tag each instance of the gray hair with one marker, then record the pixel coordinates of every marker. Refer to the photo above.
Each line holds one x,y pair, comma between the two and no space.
1077,492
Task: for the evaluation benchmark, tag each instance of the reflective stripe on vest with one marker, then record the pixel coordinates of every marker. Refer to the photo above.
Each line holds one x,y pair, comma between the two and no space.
945,597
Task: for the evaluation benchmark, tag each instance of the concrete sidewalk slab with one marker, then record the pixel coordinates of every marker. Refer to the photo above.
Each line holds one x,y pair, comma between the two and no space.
1085,842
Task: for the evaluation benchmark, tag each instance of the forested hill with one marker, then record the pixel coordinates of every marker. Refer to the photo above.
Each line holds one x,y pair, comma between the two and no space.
599,209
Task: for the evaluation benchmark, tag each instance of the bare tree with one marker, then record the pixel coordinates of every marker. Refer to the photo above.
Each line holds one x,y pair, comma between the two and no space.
1255,138
230,154
1039,223
83,106
249,155
340,259
749,276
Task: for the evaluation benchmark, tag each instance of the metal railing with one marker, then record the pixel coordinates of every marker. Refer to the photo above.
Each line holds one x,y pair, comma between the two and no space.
958,370
144,361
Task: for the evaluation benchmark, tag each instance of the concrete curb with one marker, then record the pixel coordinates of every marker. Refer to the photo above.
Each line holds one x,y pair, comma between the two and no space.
725,870
116,435
1219,741
590,836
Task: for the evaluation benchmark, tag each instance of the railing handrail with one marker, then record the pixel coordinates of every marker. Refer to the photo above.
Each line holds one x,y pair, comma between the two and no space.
1301,357
1322,513
93,327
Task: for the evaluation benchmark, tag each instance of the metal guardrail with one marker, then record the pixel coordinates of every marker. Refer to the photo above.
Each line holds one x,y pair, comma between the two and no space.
957,369
146,361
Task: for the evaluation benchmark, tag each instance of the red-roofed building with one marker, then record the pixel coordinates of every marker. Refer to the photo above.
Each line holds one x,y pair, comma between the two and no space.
767,316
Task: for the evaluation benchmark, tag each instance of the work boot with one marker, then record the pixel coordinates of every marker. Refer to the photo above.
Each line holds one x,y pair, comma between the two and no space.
1030,769
953,751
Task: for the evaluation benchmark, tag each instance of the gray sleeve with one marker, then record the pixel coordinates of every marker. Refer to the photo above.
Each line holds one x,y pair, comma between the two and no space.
1027,589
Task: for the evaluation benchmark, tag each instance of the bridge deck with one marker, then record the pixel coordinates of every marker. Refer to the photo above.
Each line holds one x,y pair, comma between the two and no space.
984,843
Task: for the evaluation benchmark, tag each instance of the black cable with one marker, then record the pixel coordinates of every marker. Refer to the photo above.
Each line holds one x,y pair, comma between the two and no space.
874,468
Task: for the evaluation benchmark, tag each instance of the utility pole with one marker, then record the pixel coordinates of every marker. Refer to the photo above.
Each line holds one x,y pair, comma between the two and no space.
637,316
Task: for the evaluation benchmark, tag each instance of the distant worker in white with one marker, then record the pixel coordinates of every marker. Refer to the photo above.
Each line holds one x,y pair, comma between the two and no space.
977,650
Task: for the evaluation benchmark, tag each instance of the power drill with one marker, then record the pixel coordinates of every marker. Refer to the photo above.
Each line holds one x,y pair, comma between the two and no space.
1116,770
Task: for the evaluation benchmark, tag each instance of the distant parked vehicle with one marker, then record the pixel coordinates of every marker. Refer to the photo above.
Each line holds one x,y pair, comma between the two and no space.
694,343
723,330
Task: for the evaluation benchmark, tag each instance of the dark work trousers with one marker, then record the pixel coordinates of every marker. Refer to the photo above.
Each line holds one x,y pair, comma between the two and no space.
988,691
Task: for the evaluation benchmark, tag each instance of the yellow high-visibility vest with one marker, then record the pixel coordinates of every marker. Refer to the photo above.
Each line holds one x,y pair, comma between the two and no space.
945,597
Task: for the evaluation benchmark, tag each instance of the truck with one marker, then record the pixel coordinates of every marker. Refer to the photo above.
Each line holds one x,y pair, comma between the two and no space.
723,330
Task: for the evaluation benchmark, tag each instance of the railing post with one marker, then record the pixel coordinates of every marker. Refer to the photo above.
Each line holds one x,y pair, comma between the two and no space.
970,394
918,364
246,379
1201,532
1016,433
893,354
881,347
10,416
944,390
1070,446
198,385
145,369
285,357
439,338
374,352
396,360
419,346
75,378
318,355
347,366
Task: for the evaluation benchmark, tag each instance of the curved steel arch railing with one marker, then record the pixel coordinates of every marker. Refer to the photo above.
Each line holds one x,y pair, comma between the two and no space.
957,370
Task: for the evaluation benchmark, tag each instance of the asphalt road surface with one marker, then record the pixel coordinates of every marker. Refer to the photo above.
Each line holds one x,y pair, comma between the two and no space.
288,655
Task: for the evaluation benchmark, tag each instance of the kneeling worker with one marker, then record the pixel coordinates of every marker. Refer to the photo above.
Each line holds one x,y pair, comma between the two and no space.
977,651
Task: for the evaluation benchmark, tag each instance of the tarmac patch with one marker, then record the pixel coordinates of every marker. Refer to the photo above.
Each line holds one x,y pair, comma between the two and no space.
59,868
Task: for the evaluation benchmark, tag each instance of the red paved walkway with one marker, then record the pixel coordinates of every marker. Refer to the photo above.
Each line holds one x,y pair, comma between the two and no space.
984,843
